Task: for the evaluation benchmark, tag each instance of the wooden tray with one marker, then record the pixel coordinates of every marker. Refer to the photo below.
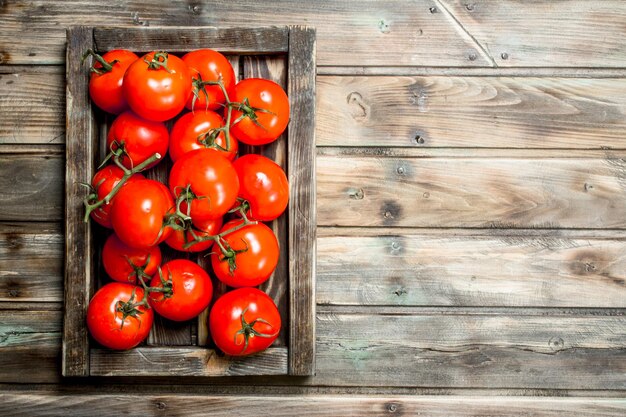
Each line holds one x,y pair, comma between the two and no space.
284,54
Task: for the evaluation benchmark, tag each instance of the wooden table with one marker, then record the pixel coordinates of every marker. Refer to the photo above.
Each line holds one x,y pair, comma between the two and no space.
471,210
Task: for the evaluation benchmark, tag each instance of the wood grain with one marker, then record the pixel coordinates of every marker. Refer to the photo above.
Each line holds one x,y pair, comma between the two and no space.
30,346
471,192
457,348
302,188
185,361
547,269
471,112
31,262
350,33
565,33
88,404
226,40
32,104
482,351
31,187
81,146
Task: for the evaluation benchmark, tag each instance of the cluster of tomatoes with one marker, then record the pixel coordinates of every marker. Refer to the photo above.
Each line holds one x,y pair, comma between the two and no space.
214,202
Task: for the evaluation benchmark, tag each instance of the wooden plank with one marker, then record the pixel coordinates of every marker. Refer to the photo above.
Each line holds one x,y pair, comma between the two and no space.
350,33
31,262
31,187
472,192
240,40
444,269
30,346
81,146
32,104
181,362
90,403
457,350
581,111
567,33
436,111
277,286
302,214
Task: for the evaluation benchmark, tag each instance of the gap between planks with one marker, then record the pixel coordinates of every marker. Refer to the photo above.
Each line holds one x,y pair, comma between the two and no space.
551,72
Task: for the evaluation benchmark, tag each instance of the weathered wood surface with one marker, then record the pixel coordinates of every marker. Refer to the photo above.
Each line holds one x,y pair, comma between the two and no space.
472,112
559,192
485,351
504,112
30,346
566,33
459,348
302,189
349,33
402,267
42,403
229,41
185,361
31,262
81,147
32,105
31,187
472,192
491,268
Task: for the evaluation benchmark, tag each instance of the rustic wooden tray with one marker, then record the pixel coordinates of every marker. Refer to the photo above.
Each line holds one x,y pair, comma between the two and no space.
284,54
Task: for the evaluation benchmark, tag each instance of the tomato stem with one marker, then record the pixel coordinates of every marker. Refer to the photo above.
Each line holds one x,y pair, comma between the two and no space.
106,66
158,61
91,205
248,331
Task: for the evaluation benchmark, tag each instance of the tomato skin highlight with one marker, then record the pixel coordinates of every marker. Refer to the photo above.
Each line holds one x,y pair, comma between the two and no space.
266,95
187,130
211,177
192,290
116,256
264,185
211,66
257,260
103,182
139,211
225,321
157,94
106,89
105,323
141,138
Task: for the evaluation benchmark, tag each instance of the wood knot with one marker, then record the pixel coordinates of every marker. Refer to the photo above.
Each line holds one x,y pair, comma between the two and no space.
383,26
556,344
359,109
356,193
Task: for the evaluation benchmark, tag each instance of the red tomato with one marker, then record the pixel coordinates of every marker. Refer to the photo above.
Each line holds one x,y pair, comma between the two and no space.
179,237
187,290
140,138
253,255
208,65
112,319
212,178
124,263
265,111
105,84
103,182
264,185
193,131
157,86
244,321
138,215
